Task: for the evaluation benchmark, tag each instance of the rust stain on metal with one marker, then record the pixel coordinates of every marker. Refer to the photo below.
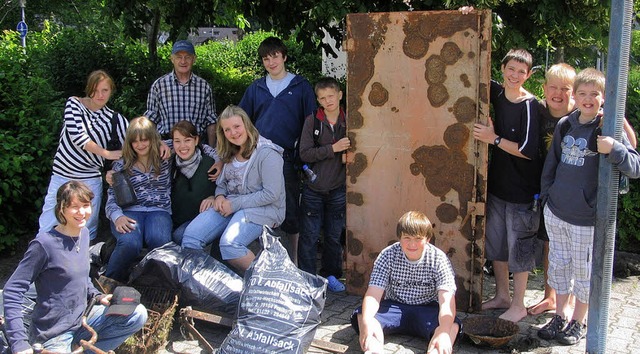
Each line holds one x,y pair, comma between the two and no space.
465,80
374,28
464,109
352,140
414,46
355,198
474,249
435,70
450,53
456,136
353,244
483,93
439,24
355,120
484,45
356,279
378,95
447,213
437,94
357,167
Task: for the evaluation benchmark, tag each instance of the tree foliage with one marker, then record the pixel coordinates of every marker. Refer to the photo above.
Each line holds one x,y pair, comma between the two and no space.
563,30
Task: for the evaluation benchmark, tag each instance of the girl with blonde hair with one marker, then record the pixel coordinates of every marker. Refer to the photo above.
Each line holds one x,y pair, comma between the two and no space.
148,221
250,190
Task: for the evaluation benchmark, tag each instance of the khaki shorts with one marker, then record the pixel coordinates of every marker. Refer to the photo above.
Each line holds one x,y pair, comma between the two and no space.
511,234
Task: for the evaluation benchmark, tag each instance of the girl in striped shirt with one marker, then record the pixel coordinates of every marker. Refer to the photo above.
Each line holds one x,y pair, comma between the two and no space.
81,151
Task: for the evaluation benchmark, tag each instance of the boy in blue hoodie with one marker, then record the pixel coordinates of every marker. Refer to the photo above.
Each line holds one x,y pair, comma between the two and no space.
568,190
277,105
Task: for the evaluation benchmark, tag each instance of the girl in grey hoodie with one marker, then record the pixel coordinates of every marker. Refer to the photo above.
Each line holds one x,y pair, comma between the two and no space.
250,190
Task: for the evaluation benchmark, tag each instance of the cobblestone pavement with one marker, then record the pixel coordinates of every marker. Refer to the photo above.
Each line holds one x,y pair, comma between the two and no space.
624,325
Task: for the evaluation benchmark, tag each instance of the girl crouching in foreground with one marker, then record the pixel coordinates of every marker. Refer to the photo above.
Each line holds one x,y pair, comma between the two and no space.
57,261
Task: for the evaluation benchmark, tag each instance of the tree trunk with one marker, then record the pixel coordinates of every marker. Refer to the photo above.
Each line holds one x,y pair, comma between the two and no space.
153,36
560,55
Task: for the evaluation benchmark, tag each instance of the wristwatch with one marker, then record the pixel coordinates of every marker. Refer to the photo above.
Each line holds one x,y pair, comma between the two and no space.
497,141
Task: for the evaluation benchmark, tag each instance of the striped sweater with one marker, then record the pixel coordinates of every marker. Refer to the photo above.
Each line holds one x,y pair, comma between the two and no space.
82,125
153,193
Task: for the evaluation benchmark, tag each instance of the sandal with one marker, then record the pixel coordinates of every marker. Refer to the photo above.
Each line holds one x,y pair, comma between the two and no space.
335,285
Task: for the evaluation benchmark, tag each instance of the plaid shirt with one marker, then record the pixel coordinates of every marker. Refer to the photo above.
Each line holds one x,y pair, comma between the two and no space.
169,102
412,283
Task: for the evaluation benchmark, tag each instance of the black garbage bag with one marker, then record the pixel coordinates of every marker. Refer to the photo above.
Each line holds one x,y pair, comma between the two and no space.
280,305
204,282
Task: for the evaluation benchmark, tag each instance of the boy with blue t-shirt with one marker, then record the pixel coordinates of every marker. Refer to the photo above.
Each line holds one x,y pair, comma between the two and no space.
323,206
568,191
417,282
278,105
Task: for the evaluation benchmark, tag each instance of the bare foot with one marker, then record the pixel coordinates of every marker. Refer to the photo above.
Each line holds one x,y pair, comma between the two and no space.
545,305
496,303
514,314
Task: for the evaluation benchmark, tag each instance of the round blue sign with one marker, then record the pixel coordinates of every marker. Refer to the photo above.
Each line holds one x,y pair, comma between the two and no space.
22,28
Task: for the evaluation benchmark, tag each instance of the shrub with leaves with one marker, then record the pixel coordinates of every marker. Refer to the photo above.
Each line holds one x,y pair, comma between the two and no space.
30,121
231,67
628,223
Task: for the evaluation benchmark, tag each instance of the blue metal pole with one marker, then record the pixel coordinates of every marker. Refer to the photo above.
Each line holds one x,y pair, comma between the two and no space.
608,177
23,3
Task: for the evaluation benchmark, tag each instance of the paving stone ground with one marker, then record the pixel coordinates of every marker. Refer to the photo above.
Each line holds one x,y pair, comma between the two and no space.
624,325
622,337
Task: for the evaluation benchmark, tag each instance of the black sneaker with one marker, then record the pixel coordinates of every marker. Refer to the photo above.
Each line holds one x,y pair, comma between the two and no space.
573,333
553,328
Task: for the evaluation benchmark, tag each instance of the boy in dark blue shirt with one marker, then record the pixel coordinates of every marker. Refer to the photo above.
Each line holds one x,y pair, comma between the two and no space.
278,104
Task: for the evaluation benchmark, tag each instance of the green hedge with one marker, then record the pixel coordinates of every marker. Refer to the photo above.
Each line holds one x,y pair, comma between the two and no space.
29,126
628,222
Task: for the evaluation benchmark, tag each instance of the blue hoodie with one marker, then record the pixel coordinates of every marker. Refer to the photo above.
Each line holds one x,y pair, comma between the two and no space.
280,118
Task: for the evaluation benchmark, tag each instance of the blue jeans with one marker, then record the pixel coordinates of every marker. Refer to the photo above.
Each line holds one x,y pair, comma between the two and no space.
235,233
48,217
111,330
202,230
290,224
326,211
153,229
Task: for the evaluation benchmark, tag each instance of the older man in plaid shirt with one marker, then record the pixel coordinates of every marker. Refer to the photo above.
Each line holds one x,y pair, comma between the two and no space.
182,95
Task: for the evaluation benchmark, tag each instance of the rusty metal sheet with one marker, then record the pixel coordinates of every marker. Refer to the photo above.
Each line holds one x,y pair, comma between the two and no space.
416,83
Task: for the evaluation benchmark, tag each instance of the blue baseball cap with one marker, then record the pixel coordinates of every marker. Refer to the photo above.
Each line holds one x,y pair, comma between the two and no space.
183,46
